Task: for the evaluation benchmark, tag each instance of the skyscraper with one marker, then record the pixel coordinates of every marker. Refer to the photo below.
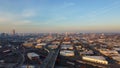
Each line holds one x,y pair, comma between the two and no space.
13,32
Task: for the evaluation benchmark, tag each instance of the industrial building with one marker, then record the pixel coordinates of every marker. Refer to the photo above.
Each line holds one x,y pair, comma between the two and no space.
33,56
95,59
66,53
67,47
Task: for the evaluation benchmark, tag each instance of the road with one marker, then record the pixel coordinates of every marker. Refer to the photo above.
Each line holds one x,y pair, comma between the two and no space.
50,60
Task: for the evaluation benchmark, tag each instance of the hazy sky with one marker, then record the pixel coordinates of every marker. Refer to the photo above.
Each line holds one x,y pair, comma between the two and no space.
60,15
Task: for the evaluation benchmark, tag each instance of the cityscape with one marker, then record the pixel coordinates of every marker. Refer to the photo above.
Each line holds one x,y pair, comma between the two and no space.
60,50
59,34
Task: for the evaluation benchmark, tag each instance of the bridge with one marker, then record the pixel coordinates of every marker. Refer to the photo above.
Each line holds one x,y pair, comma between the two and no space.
49,62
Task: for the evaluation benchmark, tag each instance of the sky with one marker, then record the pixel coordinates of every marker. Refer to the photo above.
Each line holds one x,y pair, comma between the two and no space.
60,15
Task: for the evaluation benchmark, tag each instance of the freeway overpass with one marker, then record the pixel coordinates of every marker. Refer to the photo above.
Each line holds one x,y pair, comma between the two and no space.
49,62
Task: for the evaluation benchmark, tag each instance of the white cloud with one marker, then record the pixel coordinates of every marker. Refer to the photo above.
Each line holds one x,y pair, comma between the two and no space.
23,22
55,20
29,13
104,10
3,20
16,18
6,17
67,4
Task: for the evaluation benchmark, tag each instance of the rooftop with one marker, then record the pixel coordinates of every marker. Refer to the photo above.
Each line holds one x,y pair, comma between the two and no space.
96,57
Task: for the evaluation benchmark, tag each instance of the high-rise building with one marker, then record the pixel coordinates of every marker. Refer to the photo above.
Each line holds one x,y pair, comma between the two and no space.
66,34
13,32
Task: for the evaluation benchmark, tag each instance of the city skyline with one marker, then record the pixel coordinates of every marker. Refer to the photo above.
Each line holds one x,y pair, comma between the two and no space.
60,15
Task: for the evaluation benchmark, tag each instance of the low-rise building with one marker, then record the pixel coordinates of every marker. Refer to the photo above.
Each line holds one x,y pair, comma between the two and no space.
39,40
56,42
42,44
89,52
66,53
67,47
116,58
108,52
66,42
75,41
95,59
117,49
30,44
33,56
38,46
0,46
53,46
27,66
